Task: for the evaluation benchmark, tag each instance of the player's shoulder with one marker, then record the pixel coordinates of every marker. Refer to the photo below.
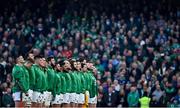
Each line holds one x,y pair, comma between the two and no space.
17,67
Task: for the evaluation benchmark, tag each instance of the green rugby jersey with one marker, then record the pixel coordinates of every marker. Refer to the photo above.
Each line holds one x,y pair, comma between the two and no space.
74,81
57,84
79,84
40,79
67,77
31,77
94,87
87,80
26,78
83,82
20,78
45,85
63,83
50,78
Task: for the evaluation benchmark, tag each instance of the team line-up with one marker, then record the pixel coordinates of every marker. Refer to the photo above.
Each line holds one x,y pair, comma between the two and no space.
44,82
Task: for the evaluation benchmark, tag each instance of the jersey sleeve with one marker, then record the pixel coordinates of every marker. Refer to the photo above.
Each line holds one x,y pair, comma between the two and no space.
63,84
83,83
32,77
58,85
18,78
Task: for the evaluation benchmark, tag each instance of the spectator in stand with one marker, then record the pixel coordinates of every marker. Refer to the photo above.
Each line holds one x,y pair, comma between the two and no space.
176,99
170,92
110,98
157,96
7,99
140,47
133,97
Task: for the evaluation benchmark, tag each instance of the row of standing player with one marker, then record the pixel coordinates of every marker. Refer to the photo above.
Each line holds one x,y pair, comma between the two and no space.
39,82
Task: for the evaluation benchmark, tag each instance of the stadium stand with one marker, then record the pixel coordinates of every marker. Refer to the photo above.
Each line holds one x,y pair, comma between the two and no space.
134,45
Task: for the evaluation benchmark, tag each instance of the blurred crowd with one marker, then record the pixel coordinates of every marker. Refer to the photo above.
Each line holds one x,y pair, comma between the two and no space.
133,43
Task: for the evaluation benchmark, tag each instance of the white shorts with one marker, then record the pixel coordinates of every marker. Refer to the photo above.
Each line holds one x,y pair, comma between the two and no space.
47,98
17,96
30,94
77,98
38,97
66,98
72,98
58,99
81,99
27,98
93,100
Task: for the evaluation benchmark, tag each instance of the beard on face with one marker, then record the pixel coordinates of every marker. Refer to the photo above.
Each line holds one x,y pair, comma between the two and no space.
66,68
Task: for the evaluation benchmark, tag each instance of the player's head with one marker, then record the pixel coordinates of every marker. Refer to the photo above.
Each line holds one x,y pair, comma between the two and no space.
84,67
82,60
30,56
89,65
79,65
51,61
20,60
28,63
58,67
37,59
43,62
66,65
73,64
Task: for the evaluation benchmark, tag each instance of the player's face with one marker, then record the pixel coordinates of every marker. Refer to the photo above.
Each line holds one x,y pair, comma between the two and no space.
75,65
89,65
79,65
85,68
21,59
67,65
42,62
58,67
31,56
53,61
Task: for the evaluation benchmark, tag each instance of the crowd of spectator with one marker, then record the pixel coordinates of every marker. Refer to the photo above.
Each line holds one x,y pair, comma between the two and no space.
133,43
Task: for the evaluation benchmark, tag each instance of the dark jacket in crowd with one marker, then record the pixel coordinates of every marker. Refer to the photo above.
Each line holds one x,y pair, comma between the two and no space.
7,100
110,99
